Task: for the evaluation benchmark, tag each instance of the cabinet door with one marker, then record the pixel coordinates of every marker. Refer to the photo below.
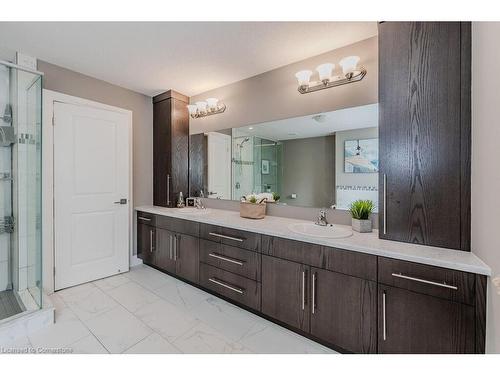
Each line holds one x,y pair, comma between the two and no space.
146,238
164,258
186,256
285,294
344,310
162,158
424,133
410,322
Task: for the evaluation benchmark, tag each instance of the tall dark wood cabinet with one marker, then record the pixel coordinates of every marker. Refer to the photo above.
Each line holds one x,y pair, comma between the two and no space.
170,148
424,130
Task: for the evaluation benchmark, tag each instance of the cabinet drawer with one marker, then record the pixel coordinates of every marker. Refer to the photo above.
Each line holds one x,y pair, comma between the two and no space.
434,281
230,285
178,225
233,259
296,251
232,237
146,218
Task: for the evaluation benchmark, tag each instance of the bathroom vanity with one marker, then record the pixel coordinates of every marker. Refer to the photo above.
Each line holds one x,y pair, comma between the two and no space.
359,294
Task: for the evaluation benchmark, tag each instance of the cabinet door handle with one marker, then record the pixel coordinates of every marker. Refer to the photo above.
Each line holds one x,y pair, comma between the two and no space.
226,259
442,285
303,290
168,190
226,237
385,203
151,245
226,285
384,317
313,293
171,246
144,218
176,243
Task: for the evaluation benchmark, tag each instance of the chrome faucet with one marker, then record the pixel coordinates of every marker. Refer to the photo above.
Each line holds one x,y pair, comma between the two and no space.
322,218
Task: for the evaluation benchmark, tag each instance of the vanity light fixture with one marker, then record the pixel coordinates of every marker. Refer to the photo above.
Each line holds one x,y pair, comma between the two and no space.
210,106
350,70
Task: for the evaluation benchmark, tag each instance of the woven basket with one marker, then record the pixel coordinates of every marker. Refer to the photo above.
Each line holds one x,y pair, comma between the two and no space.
252,210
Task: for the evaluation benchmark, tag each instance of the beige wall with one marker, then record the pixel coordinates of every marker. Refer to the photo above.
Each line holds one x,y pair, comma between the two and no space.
309,171
273,95
72,83
485,204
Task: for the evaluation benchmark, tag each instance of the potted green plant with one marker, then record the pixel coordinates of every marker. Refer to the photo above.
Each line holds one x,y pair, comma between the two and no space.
276,197
360,211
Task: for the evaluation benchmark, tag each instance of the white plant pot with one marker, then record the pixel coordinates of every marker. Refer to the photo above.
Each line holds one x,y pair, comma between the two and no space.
362,226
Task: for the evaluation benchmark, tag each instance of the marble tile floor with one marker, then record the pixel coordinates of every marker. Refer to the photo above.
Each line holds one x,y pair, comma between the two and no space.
146,311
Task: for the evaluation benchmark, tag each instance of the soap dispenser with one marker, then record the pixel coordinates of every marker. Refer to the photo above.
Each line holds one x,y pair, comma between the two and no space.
180,202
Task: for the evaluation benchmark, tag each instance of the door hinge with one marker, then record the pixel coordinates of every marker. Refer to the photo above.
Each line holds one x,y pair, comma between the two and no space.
53,120
54,271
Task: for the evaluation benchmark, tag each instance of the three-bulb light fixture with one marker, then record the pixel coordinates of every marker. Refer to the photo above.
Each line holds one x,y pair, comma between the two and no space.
210,106
351,73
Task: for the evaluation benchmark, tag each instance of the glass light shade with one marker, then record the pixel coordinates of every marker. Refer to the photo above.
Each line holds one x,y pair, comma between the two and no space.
202,106
349,64
192,109
325,71
303,77
212,103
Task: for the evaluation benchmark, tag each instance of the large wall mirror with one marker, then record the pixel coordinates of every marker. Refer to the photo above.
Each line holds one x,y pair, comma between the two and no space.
317,160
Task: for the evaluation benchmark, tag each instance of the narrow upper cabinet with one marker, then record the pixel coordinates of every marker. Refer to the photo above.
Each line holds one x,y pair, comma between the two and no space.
170,148
425,125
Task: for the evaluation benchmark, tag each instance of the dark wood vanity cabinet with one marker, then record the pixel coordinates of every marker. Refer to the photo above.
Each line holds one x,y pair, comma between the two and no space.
285,292
351,301
344,310
424,132
170,148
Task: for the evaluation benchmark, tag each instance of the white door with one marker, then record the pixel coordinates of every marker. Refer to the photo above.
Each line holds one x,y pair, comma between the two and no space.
219,165
91,174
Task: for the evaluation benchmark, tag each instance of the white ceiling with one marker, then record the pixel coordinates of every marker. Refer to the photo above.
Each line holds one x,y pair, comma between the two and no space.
190,57
365,116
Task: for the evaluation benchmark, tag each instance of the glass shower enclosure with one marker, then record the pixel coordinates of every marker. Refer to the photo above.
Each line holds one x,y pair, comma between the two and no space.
20,190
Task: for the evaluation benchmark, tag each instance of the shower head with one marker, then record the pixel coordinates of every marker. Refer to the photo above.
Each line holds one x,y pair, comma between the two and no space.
243,141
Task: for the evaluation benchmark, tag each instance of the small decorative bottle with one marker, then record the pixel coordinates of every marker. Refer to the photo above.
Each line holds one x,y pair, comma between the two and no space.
180,202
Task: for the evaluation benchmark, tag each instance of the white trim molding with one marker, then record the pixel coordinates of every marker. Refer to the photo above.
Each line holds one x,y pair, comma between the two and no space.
49,98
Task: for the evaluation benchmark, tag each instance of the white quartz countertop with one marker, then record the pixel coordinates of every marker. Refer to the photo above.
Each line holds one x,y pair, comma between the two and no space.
368,243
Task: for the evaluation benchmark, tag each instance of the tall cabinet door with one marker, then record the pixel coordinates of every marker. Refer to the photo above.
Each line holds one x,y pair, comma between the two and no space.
170,148
186,255
165,256
415,323
285,291
146,241
344,310
424,130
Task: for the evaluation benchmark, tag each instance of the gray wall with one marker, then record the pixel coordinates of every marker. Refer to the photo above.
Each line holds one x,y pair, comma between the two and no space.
273,95
485,170
309,171
69,82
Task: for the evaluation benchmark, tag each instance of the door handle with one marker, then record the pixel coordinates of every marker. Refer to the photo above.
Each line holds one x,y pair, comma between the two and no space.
313,304
171,247
176,243
384,317
385,204
303,290
151,246
168,190
121,201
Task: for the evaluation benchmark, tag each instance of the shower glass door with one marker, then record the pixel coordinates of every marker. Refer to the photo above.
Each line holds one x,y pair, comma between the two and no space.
20,190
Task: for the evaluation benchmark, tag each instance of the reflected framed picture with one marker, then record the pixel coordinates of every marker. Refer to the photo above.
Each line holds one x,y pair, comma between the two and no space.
265,166
361,156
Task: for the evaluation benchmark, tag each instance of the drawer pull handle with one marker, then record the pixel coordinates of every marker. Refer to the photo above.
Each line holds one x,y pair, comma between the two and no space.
226,259
227,286
313,304
442,285
144,218
226,237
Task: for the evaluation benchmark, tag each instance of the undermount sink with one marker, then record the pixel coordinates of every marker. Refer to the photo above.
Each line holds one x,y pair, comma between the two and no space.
194,211
313,230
